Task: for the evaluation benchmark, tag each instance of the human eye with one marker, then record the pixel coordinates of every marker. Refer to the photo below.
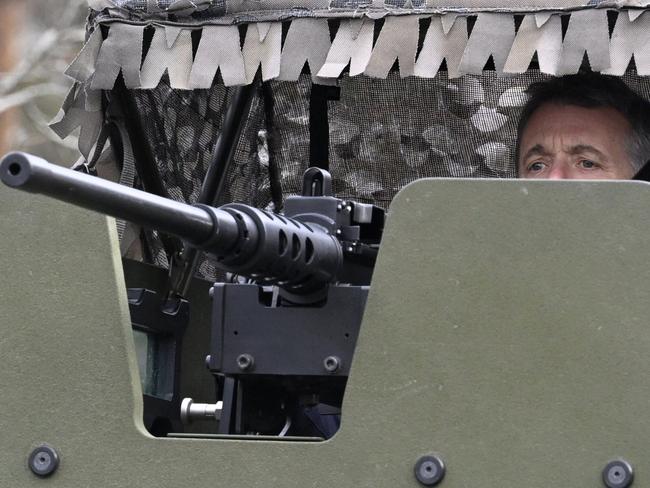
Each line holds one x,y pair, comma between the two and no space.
536,167
588,164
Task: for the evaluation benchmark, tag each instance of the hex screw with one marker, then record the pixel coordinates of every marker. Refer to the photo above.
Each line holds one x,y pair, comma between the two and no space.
43,461
618,474
429,470
245,362
332,364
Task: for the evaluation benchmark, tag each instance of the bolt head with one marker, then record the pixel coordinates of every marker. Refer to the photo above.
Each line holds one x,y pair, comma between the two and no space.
429,470
618,474
245,362
43,461
332,364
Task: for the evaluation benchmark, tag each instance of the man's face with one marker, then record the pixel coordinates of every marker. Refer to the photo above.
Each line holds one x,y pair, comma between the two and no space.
571,142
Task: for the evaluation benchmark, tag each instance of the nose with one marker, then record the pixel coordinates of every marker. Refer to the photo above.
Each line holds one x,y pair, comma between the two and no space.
558,172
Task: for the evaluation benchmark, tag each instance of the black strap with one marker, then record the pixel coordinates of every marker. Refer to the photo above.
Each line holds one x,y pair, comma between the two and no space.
113,123
319,128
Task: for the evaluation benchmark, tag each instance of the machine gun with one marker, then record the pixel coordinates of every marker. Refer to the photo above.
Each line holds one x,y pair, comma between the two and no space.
283,342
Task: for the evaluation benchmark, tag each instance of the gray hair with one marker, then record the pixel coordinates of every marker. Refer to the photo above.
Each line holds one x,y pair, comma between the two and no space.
638,148
593,90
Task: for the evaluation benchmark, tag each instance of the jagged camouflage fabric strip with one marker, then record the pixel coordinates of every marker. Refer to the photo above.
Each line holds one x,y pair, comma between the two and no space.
82,110
465,46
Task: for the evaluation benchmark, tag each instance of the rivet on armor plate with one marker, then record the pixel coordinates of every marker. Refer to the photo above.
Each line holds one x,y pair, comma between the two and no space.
618,474
43,461
429,470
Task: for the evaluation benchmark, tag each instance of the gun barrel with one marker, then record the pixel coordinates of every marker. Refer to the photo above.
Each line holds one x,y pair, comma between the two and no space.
269,248
30,173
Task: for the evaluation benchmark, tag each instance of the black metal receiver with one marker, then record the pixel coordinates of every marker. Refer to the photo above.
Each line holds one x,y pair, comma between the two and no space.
275,354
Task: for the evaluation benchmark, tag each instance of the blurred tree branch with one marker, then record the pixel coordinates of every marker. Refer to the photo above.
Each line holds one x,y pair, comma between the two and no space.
12,12
28,94
37,41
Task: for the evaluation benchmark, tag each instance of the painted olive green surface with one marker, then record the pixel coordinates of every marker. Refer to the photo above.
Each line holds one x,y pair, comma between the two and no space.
506,330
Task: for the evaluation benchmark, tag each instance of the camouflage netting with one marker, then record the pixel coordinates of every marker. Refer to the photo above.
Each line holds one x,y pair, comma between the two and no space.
422,128
409,115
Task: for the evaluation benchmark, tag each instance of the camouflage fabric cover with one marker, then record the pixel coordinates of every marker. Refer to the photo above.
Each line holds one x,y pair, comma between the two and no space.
267,10
205,56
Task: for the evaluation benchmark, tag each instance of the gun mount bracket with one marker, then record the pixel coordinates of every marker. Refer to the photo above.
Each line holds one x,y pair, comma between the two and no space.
241,346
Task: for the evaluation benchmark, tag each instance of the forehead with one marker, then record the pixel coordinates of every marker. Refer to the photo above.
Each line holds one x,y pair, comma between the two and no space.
553,124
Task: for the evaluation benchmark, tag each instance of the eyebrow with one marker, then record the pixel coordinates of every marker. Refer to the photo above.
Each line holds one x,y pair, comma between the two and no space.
580,148
536,150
